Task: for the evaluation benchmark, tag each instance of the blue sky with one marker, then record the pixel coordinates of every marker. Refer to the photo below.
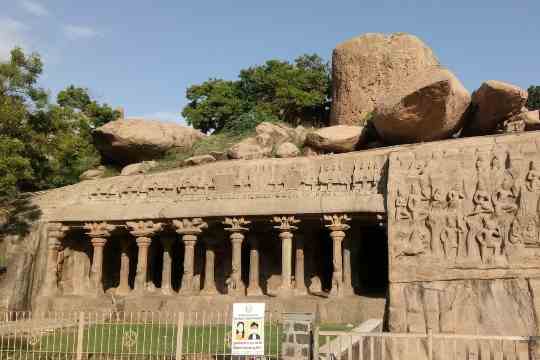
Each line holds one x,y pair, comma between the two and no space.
142,55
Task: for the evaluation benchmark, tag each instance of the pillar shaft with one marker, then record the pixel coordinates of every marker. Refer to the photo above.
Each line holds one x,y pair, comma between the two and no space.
337,262
286,259
236,286
123,286
254,288
347,267
141,277
166,277
98,244
209,287
189,264
299,281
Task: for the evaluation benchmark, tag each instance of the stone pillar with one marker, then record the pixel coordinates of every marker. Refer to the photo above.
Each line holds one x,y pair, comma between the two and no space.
189,229
285,225
143,232
337,226
166,274
237,228
299,268
254,288
123,287
347,267
55,233
209,287
98,233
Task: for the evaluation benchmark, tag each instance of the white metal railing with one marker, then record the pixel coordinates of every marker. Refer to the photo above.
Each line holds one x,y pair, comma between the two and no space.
350,345
102,335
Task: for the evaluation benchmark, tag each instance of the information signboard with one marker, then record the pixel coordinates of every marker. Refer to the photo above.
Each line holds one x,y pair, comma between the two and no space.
248,329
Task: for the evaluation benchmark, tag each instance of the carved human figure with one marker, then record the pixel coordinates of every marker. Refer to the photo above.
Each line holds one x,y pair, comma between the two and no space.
55,234
450,237
402,213
415,203
533,177
237,227
333,177
490,240
190,229
482,199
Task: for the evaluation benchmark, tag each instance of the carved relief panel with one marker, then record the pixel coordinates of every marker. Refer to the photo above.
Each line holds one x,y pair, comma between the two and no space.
471,212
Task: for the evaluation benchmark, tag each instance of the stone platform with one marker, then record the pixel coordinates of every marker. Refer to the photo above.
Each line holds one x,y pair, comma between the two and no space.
348,309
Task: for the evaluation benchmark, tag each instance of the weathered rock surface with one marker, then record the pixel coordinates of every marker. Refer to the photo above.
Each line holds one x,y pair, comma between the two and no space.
368,67
529,120
464,307
93,174
287,150
494,102
338,138
424,107
138,168
199,159
133,140
268,136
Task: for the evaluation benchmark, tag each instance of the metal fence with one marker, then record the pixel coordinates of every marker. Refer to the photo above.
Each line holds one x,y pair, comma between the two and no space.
344,345
123,335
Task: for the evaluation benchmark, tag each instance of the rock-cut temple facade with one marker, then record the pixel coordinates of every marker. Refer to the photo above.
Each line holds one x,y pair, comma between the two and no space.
440,235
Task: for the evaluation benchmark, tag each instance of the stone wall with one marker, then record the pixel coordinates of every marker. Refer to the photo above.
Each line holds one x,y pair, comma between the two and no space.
463,228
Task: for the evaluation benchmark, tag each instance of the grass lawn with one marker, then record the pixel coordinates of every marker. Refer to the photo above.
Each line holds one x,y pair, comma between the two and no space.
136,339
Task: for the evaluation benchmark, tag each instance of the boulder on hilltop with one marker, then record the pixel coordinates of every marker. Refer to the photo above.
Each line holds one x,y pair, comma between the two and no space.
336,139
425,107
368,67
492,104
132,140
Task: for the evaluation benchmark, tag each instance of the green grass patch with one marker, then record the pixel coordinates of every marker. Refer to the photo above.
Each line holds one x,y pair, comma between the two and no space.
135,339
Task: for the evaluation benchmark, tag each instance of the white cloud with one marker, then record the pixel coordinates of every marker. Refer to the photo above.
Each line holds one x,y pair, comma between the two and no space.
34,8
80,32
12,33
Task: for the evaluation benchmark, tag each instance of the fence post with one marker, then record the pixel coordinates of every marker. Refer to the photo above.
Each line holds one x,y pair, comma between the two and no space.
430,343
80,336
315,350
180,336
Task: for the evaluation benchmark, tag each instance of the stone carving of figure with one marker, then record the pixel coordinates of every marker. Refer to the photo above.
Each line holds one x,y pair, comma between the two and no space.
415,203
414,242
482,199
505,199
490,240
309,179
450,238
524,231
401,206
365,177
533,177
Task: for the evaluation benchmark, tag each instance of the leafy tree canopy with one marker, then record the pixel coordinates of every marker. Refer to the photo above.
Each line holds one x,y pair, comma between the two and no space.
43,145
533,103
291,92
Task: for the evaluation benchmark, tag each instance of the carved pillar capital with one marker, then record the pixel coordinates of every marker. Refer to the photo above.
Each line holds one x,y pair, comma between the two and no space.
193,226
285,223
236,225
143,229
337,222
99,229
143,241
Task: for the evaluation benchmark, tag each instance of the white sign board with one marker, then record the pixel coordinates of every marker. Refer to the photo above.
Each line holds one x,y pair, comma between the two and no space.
247,337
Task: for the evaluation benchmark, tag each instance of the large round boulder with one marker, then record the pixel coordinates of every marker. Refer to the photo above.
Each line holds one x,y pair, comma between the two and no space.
132,140
336,139
425,107
492,104
368,67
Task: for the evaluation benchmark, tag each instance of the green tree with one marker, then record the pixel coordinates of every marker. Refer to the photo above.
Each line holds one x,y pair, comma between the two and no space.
290,92
533,103
212,104
43,145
